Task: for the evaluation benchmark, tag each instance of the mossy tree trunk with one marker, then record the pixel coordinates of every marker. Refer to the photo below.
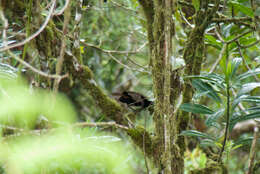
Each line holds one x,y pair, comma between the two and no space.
168,120
160,27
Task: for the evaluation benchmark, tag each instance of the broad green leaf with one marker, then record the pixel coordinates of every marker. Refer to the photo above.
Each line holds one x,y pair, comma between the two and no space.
247,40
196,4
209,39
21,106
246,10
212,119
248,87
202,86
66,151
195,133
196,108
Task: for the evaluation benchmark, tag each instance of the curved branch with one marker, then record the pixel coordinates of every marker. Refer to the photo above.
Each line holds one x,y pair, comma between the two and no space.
35,34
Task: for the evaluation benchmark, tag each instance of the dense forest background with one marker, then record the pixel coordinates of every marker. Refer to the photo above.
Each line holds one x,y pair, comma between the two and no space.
67,66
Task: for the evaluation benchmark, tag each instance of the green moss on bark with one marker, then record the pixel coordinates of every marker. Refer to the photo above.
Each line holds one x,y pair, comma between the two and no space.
141,138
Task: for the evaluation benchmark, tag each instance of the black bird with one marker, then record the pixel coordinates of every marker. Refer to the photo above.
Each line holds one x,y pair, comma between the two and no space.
134,99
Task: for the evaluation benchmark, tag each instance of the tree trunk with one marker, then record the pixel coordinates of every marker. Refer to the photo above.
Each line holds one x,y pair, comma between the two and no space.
169,122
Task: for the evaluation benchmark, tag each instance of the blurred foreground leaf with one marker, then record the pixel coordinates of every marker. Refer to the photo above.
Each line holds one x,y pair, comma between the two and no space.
22,106
64,151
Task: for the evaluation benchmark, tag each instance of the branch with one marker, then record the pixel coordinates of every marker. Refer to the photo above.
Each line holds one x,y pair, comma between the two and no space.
7,47
244,60
63,8
20,60
60,60
132,69
109,107
253,151
235,20
112,51
238,37
219,58
111,124
122,6
36,70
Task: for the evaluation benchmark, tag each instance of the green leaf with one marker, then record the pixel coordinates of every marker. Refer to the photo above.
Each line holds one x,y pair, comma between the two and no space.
246,98
249,74
196,4
246,10
210,40
234,66
194,133
229,71
254,99
248,87
71,151
243,141
235,119
7,71
213,78
196,108
254,109
202,86
21,106
212,119
223,63
208,142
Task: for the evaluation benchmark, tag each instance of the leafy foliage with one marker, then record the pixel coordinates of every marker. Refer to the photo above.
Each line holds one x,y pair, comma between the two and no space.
214,84
60,150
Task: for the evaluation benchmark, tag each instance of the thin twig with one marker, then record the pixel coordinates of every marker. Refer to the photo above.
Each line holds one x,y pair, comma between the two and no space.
238,37
7,47
219,58
63,8
253,151
104,50
122,6
86,124
124,65
183,17
20,60
219,35
235,19
34,69
240,105
63,46
111,51
243,58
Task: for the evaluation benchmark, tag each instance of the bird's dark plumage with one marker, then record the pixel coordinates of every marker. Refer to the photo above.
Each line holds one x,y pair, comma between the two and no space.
134,99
